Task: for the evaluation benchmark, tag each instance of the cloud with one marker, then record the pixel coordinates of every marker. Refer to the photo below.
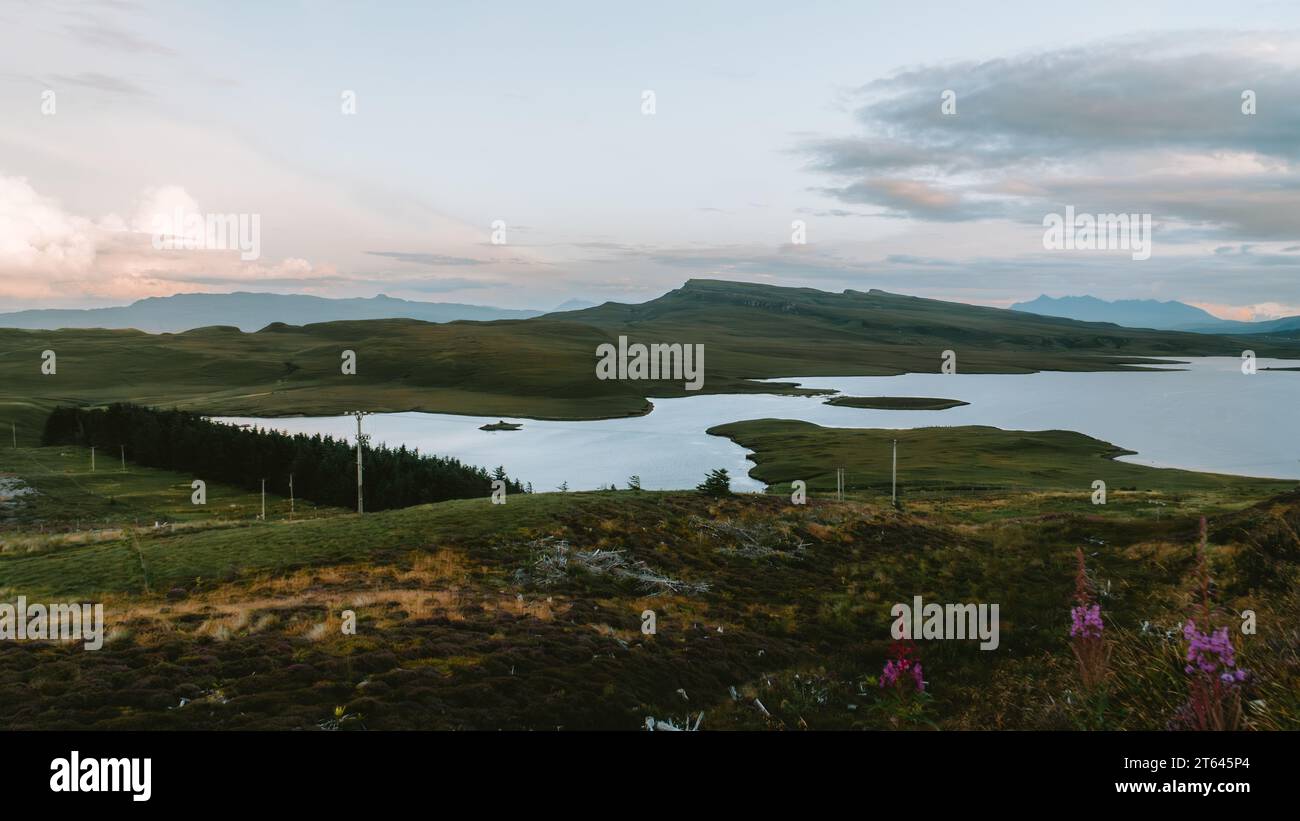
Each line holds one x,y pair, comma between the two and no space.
47,253
37,238
159,205
912,259
101,82
1152,124
914,198
831,212
1258,312
102,35
444,285
426,259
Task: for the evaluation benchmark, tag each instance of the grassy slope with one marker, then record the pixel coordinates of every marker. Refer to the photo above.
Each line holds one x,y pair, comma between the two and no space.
765,330
932,461
456,630
71,494
545,367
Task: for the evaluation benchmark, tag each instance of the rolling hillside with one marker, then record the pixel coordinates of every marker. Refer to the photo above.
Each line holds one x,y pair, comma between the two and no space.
545,367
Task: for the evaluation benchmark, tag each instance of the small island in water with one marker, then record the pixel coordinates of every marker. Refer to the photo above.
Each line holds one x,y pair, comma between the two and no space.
501,425
895,402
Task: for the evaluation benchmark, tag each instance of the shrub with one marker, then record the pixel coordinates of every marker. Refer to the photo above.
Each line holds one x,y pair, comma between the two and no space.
717,483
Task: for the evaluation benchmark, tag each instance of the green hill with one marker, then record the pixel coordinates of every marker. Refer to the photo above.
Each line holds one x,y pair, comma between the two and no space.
545,367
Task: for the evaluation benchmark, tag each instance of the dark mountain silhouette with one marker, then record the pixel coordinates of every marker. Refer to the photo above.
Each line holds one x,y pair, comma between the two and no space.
1131,313
1150,313
248,312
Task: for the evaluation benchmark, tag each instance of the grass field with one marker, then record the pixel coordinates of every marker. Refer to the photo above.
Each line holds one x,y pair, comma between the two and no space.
117,493
964,459
463,620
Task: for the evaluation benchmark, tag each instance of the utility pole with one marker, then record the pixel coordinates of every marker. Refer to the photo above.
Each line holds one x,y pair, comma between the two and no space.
1158,505
893,485
360,441
123,449
291,496
92,458
264,500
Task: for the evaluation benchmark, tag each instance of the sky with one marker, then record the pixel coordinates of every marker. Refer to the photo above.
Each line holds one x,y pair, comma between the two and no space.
523,154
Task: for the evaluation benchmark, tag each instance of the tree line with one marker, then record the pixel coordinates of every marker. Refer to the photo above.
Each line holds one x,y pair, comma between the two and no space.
323,468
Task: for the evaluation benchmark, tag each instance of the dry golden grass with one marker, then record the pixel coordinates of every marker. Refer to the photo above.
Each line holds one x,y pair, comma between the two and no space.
309,603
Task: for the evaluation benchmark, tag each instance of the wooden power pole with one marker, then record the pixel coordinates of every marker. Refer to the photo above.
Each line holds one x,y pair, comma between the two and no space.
893,484
360,442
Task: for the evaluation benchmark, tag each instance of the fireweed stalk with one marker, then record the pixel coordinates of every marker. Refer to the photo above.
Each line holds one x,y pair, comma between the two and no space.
1215,681
1086,632
903,691
902,673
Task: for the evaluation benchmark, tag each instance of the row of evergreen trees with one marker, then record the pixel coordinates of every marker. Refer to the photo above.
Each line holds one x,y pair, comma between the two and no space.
323,468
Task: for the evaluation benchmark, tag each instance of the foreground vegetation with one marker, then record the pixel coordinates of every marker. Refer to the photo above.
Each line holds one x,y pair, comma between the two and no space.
529,614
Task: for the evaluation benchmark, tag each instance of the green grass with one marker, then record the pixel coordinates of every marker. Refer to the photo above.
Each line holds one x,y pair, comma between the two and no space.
962,459
802,630
958,466
71,495
279,546
251,634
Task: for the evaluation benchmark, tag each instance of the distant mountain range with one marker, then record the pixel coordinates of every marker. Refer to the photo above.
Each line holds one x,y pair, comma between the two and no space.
249,312
1150,313
254,311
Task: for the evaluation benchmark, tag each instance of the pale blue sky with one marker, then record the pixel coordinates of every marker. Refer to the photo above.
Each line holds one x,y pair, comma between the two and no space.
531,113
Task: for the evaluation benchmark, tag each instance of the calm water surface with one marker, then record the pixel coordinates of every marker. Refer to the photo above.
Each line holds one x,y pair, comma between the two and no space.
1206,416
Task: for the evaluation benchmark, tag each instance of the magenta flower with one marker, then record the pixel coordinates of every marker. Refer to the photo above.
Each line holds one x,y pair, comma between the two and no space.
1212,654
898,671
901,668
1085,621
